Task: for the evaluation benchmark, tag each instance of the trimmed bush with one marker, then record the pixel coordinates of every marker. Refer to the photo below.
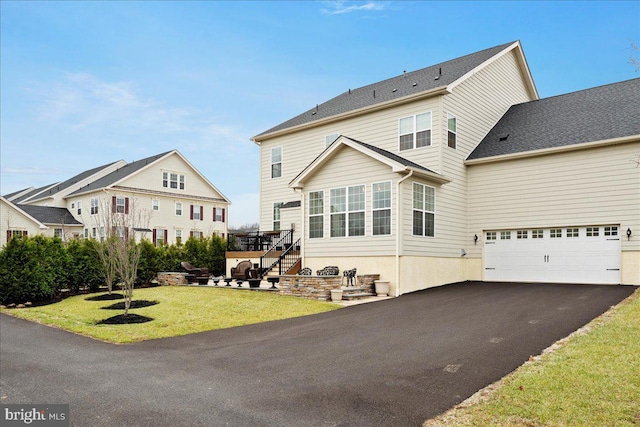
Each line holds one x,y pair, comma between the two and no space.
32,269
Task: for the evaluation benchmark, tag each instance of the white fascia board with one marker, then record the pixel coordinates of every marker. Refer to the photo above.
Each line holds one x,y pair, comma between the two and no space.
397,167
353,113
554,150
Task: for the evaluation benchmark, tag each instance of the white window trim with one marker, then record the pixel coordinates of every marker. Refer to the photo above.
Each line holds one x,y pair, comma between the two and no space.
415,131
175,209
271,162
452,116
310,215
181,179
390,208
347,212
435,216
273,215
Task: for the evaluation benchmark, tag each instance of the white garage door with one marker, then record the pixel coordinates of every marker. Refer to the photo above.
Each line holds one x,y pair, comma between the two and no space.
558,255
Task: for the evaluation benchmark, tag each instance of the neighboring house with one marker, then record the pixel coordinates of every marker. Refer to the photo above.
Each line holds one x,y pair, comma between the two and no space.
458,172
25,220
174,198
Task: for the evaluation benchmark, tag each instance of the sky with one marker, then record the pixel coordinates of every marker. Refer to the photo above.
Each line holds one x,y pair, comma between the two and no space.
86,83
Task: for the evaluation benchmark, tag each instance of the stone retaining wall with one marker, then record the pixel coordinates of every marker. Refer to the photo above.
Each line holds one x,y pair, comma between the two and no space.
319,287
366,282
172,279
313,287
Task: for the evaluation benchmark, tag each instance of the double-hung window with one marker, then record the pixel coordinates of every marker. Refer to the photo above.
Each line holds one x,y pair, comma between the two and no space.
276,216
94,206
381,208
424,207
173,180
347,211
155,204
316,214
196,212
178,209
276,162
120,205
452,130
415,131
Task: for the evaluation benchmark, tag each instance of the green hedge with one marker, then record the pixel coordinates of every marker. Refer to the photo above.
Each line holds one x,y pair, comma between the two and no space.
38,268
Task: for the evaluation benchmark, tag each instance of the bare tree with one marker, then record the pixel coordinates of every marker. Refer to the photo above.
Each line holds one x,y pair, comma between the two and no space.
127,251
121,224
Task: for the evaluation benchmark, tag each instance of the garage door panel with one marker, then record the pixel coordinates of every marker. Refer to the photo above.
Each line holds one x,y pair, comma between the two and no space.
564,255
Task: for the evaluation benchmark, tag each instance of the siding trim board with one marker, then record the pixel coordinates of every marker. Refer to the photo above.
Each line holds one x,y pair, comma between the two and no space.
554,150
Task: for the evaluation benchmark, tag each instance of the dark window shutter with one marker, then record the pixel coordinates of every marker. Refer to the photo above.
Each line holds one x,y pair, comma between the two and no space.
126,205
166,236
24,233
223,215
8,235
191,234
201,213
222,236
155,235
214,214
126,233
113,204
191,212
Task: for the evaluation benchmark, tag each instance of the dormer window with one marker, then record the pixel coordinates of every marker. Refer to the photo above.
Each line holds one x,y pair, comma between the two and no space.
415,131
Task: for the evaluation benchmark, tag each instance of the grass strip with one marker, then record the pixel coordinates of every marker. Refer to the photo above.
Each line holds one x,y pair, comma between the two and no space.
590,379
179,311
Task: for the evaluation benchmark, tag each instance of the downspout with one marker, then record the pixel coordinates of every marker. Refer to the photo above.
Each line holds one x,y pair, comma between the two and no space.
302,223
398,230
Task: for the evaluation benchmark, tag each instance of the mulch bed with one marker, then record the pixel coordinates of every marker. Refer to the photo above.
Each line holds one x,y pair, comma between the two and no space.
134,304
121,319
105,297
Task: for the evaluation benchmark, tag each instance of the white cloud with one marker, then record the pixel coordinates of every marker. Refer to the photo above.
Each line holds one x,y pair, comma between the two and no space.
342,7
31,171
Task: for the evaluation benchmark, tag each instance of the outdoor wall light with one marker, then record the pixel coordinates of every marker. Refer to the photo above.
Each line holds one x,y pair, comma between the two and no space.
628,233
475,239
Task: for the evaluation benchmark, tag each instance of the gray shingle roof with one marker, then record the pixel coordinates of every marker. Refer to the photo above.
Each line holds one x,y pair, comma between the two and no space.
29,194
69,182
392,156
597,114
50,215
119,174
397,87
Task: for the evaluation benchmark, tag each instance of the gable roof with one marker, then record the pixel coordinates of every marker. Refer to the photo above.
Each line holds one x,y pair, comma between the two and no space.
599,114
130,169
119,174
426,81
32,192
14,207
49,214
397,163
61,186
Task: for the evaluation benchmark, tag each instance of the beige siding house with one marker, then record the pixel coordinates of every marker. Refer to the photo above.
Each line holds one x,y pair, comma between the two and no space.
175,201
403,178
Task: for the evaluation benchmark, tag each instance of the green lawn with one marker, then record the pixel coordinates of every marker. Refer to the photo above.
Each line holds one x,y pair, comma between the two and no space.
591,380
180,311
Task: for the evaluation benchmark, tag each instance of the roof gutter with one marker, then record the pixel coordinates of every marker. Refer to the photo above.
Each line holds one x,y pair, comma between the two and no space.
353,113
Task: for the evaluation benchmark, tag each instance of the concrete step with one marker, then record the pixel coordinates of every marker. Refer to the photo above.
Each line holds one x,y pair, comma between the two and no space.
358,295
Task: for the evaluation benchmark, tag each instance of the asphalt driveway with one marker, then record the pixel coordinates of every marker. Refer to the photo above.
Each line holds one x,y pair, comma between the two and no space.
391,363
